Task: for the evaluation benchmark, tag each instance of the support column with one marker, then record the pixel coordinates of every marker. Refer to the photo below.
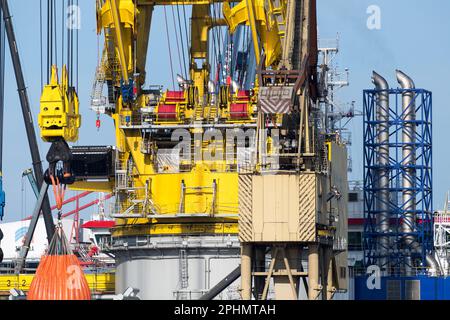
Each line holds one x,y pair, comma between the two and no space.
260,266
323,271
246,271
313,272
331,289
287,262
327,275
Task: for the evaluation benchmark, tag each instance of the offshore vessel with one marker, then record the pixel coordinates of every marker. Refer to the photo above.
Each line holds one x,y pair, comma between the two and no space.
231,174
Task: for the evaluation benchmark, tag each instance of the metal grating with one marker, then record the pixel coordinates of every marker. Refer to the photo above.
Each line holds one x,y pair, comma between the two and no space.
245,208
307,207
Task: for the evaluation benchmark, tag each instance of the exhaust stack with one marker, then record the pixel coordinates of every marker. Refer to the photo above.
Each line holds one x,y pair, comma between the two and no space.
382,111
408,179
408,155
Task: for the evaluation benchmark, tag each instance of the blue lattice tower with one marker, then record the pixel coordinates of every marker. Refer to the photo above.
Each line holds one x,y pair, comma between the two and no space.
404,246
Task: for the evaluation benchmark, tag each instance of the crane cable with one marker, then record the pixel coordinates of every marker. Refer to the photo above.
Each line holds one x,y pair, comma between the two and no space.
62,30
40,44
215,58
176,40
188,38
182,43
216,43
55,31
77,47
52,57
49,41
170,50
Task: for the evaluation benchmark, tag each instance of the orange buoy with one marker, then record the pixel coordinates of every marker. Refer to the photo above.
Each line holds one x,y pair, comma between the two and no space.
59,275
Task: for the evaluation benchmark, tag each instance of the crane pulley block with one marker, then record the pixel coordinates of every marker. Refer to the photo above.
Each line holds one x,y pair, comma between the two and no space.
59,111
172,105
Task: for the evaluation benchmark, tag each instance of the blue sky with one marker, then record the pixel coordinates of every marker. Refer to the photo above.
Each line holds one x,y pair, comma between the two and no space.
414,36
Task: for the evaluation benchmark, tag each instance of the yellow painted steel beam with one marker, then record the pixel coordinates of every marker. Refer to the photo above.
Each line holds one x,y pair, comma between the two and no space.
252,20
200,24
94,186
179,2
119,40
218,228
263,25
98,283
143,21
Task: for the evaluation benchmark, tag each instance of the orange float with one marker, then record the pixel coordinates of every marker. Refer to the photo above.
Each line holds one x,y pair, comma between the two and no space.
59,275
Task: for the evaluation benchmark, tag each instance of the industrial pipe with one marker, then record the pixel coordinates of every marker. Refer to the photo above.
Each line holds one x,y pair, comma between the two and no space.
408,178
382,113
224,283
408,154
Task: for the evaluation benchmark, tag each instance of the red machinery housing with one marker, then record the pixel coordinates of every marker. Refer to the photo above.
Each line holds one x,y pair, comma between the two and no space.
239,108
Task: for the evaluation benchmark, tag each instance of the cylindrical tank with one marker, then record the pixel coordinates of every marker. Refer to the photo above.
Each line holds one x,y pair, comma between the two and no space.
176,267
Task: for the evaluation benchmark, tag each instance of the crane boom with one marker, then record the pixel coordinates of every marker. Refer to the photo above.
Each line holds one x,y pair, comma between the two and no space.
27,116
2,108
2,105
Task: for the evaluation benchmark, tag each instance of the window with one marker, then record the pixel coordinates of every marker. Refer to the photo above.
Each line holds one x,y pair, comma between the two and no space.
353,197
412,290
393,291
355,241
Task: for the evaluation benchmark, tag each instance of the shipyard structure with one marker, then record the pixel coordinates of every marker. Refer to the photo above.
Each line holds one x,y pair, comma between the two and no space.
229,174
232,182
405,255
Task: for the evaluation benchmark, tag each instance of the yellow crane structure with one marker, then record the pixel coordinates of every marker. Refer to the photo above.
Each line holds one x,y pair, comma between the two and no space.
215,171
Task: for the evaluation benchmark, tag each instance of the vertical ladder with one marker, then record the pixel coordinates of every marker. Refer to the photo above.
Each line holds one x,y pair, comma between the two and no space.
98,101
279,13
184,276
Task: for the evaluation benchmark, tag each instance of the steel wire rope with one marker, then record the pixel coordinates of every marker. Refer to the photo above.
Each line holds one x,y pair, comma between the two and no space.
77,44
182,42
40,43
170,50
219,31
219,40
213,48
55,32
216,45
71,52
188,38
176,40
62,31
70,49
49,40
245,50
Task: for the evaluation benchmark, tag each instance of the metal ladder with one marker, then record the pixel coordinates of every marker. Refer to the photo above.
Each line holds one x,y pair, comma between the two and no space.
98,100
279,16
184,275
